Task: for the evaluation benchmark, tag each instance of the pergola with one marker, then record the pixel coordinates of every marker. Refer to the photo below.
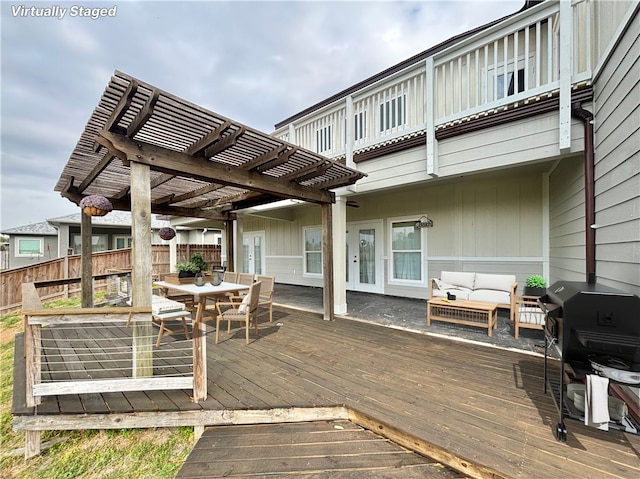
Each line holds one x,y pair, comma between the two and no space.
149,151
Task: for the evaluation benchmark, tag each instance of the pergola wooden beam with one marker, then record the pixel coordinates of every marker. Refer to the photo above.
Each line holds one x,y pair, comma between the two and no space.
212,137
181,164
123,105
143,115
95,172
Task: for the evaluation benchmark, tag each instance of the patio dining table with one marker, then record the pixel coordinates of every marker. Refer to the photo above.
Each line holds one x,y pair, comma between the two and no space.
203,292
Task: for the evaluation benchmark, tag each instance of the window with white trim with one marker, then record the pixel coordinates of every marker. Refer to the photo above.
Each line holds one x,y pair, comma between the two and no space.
29,247
122,242
313,251
406,251
323,139
392,113
98,243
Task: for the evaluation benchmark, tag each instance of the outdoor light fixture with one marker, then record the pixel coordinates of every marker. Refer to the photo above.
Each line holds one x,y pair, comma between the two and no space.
424,222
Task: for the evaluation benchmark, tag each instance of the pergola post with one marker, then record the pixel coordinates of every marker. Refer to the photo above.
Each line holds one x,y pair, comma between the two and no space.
141,267
327,260
86,262
228,230
340,255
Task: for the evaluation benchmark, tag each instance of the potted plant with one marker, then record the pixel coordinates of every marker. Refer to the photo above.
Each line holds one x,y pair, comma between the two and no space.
192,267
536,285
187,269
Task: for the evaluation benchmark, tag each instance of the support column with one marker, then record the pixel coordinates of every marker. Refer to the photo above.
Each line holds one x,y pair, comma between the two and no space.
566,67
141,266
229,249
339,255
327,261
86,265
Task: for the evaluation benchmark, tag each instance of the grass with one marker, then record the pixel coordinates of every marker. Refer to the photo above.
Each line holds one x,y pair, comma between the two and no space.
101,454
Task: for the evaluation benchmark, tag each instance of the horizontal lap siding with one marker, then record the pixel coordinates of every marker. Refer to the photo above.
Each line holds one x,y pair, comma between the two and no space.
617,168
521,141
566,221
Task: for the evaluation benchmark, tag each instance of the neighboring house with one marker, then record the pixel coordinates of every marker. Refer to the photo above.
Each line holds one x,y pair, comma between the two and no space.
486,137
58,237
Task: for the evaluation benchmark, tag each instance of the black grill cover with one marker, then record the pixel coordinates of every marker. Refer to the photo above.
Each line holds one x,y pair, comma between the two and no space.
596,319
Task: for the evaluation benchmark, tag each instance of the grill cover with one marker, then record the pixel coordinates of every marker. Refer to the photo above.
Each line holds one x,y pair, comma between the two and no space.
594,319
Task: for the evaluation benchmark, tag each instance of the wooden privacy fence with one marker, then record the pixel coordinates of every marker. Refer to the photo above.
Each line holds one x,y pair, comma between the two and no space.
104,263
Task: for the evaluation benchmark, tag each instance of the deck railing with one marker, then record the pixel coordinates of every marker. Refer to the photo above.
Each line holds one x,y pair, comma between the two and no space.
97,350
515,61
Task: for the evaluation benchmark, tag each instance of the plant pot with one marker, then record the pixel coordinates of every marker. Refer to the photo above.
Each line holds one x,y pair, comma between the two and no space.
186,274
531,291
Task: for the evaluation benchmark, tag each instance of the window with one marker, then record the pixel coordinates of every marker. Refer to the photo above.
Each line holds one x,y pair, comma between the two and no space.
392,113
30,247
406,251
323,139
510,83
122,242
98,243
313,251
360,125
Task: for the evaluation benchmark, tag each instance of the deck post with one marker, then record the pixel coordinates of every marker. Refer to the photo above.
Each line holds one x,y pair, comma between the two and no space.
198,333
141,266
32,441
86,261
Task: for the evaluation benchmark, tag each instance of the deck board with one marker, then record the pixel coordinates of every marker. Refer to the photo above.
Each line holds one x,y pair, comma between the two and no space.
483,404
337,449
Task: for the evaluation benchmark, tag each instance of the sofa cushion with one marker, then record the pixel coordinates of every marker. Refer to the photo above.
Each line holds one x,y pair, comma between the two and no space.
498,282
459,278
459,293
490,296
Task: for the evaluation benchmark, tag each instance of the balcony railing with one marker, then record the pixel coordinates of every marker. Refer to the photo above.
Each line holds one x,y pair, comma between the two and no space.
514,62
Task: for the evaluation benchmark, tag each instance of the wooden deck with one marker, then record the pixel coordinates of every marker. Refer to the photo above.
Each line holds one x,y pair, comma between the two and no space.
478,409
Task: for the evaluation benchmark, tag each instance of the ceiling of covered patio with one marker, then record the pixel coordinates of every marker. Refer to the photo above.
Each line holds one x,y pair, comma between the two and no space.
202,164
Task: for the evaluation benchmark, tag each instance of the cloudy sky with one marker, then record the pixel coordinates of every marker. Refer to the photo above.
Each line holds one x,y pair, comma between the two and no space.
255,62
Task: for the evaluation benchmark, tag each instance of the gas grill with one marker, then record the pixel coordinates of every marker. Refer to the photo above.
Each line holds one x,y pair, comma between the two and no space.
595,330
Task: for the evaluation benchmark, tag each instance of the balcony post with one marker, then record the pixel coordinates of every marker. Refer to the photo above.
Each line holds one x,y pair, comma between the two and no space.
349,135
566,67
429,94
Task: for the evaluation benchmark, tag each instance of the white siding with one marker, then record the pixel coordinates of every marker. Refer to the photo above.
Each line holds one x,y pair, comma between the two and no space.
519,142
617,170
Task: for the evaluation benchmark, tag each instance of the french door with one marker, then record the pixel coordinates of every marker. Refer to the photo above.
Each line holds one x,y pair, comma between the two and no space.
364,257
253,253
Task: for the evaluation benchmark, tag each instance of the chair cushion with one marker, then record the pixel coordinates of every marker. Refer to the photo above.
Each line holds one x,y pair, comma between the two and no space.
458,278
498,282
243,306
530,315
161,305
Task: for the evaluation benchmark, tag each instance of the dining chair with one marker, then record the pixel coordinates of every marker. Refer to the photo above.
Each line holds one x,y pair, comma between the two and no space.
244,312
266,293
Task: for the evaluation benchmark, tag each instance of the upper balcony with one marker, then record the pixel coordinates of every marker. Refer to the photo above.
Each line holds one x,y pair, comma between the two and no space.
538,53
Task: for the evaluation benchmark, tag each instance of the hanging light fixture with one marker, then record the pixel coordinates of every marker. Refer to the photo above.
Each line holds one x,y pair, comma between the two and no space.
95,205
424,222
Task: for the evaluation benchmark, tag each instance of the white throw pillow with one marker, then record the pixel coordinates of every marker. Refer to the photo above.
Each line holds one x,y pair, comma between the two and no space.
243,306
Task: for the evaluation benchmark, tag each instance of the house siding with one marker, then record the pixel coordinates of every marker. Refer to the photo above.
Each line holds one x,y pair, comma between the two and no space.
519,142
493,224
567,221
617,164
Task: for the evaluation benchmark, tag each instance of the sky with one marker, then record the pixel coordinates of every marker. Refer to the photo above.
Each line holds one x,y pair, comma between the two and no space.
255,62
